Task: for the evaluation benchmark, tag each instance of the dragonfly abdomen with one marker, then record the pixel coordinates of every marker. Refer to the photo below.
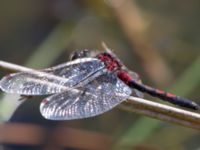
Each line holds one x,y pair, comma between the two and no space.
177,100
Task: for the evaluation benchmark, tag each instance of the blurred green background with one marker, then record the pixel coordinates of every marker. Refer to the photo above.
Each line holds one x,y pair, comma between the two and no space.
160,40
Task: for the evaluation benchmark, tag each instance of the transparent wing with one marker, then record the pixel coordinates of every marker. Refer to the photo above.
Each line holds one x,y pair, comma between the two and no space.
82,65
97,97
70,73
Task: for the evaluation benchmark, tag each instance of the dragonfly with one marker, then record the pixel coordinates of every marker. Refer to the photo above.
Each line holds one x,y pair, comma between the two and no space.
90,84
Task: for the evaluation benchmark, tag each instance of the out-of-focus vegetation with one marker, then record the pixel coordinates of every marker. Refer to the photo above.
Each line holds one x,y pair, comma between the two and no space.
160,40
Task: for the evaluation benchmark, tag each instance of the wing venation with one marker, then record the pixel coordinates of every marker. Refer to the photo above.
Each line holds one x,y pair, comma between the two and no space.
97,97
72,73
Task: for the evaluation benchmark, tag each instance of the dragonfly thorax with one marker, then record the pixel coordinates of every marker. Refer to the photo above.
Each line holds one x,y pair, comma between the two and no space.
112,63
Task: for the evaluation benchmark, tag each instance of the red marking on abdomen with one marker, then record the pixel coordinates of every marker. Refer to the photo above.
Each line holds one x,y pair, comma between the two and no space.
160,91
124,76
170,95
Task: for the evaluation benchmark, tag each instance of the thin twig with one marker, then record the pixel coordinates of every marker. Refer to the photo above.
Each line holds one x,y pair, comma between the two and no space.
138,105
162,112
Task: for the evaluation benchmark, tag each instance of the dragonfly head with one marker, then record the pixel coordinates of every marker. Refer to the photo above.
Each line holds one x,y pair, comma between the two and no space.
80,54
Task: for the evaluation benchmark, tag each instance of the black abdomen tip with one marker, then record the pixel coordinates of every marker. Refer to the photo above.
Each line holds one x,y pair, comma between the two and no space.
184,102
196,106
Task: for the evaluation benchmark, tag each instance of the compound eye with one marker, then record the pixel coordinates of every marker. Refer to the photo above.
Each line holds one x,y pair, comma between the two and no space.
80,54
